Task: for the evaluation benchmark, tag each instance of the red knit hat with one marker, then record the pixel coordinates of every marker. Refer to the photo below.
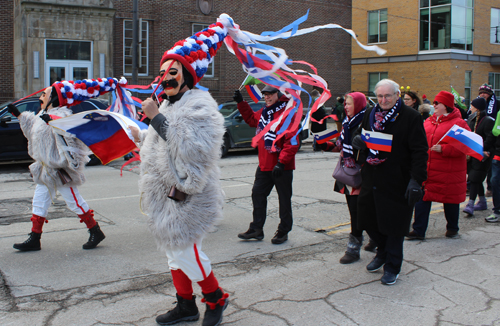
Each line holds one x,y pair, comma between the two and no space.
446,98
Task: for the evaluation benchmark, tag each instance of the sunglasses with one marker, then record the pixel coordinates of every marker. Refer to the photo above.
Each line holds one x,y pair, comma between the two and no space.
435,103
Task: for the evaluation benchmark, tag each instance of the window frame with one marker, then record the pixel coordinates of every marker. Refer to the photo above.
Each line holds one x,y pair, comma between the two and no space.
492,78
497,32
468,87
379,22
212,64
372,92
140,50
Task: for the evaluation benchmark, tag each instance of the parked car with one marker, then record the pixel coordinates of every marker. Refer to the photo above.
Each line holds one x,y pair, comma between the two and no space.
238,133
13,144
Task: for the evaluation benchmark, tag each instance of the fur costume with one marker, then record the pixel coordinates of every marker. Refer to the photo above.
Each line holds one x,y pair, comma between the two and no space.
51,151
188,159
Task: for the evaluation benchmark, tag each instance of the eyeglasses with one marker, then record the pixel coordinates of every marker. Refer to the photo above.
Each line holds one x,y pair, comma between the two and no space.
435,103
386,96
407,99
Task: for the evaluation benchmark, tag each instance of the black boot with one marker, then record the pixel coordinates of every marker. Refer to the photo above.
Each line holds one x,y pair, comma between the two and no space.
252,234
371,246
96,236
216,304
353,248
185,310
32,244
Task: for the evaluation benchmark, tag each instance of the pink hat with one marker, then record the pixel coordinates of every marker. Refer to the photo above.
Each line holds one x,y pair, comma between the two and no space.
359,101
446,98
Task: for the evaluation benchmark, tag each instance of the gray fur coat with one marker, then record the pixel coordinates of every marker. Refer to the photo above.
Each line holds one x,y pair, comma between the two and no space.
52,151
188,159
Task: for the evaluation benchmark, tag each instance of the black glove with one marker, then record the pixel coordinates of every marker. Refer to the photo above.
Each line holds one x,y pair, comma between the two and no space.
358,142
320,147
278,170
413,192
12,109
237,97
45,117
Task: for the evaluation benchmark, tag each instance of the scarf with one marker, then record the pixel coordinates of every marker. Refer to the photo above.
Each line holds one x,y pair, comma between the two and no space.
345,137
378,121
492,108
266,117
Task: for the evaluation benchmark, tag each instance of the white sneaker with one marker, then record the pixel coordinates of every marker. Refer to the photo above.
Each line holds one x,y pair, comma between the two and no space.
493,218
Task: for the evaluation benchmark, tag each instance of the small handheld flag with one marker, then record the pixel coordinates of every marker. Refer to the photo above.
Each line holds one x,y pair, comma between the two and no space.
377,141
254,92
324,136
465,141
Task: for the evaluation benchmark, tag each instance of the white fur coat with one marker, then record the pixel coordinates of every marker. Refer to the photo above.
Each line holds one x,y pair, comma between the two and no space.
52,151
188,159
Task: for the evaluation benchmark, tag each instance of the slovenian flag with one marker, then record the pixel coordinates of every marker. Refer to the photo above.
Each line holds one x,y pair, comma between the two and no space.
465,141
377,141
105,133
324,136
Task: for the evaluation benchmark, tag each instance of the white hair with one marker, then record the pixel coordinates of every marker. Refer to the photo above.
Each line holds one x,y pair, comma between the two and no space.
387,82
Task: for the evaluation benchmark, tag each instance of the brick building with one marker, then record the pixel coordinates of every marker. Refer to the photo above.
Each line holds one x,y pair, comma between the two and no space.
74,39
431,45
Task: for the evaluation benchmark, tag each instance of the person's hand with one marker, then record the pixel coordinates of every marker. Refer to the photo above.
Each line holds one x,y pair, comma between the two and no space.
135,133
150,108
437,148
237,97
358,142
319,147
278,170
413,192
486,154
45,117
12,109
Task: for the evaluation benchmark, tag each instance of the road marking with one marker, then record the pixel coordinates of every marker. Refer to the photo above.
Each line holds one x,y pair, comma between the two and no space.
240,185
110,198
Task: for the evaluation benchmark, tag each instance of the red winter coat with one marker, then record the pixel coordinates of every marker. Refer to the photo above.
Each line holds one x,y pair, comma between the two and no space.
267,160
447,170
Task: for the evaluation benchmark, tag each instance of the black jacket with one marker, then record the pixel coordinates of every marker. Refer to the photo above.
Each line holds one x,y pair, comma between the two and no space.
477,170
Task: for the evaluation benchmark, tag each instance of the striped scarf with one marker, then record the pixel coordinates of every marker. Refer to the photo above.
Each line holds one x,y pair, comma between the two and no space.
266,117
348,125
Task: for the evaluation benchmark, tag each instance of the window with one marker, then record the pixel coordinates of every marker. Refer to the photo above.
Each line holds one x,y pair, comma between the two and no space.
143,47
446,24
373,79
197,28
494,81
468,83
495,26
377,26
68,50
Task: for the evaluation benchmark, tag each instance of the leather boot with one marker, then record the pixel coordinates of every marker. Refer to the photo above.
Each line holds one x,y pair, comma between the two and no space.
31,244
353,248
371,246
185,310
216,304
96,236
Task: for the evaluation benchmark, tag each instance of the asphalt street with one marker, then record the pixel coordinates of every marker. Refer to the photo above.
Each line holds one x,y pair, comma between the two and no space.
125,280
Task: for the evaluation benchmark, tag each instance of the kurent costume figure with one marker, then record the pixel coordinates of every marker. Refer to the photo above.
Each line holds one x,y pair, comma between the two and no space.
180,177
59,165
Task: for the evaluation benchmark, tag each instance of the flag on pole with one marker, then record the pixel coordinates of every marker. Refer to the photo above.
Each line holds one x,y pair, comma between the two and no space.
250,84
324,136
377,141
465,141
457,99
105,133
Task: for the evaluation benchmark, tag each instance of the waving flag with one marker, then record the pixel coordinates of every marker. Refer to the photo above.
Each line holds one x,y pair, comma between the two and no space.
105,133
324,136
250,84
377,141
465,141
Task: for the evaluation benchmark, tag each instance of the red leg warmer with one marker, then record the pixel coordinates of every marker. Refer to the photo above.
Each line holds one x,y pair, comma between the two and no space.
37,223
210,284
182,283
88,219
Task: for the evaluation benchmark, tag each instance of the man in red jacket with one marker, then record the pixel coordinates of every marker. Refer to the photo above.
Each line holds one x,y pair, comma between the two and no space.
275,165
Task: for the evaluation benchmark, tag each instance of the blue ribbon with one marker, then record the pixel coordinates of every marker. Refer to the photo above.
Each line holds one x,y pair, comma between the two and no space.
293,26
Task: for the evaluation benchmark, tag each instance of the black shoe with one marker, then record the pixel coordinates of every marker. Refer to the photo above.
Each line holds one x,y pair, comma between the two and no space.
451,234
185,310
96,236
375,264
414,236
279,237
252,234
353,248
371,246
389,278
216,304
31,244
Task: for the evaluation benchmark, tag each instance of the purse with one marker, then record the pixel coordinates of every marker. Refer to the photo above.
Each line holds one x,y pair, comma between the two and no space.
348,176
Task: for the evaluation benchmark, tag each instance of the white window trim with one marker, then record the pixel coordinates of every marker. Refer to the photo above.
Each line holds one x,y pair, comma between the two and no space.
378,26
495,43
147,51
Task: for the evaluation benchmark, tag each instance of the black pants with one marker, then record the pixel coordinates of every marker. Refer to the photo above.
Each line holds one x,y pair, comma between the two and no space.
262,186
352,204
476,189
390,249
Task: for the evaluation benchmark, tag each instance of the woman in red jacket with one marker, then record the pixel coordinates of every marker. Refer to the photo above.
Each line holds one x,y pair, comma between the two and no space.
446,169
